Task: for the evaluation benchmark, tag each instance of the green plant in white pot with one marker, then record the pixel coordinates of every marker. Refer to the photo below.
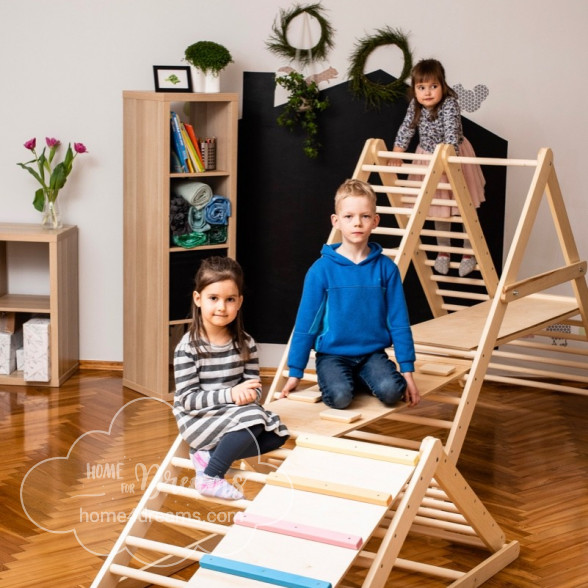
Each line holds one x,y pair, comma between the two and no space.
207,59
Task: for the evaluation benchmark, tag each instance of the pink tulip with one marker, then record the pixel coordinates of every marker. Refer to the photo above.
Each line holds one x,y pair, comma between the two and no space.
80,148
31,143
51,142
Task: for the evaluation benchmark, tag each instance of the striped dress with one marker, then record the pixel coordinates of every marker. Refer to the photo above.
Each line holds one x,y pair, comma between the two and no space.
203,405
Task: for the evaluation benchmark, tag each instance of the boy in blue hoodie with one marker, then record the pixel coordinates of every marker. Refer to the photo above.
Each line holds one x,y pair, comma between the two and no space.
352,309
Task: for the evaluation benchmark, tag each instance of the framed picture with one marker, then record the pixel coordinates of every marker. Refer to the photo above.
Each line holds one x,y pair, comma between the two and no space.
172,78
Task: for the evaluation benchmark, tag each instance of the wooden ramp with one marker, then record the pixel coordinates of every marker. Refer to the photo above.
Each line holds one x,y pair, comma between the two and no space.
501,325
332,507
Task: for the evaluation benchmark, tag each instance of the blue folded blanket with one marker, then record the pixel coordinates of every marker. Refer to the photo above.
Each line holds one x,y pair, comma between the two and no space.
218,210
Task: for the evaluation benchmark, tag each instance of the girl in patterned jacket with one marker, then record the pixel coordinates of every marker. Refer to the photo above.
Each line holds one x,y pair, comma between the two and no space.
218,390
435,112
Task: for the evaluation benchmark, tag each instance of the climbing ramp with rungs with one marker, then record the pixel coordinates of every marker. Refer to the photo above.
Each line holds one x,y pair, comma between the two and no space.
501,326
332,507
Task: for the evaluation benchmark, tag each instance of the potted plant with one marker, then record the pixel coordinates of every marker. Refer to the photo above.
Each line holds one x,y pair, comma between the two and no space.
302,108
207,59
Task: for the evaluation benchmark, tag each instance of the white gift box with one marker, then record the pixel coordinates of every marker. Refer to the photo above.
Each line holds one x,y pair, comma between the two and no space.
36,350
9,343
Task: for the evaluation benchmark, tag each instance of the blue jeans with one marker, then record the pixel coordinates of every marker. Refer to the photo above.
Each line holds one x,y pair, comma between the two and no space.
340,376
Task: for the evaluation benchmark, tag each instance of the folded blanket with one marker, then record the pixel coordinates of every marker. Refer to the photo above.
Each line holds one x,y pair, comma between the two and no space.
190,240
218,210
217,234
178,216
197,194
197,221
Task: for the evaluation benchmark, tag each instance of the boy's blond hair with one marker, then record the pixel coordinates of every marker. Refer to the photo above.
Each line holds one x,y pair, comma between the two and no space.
355,188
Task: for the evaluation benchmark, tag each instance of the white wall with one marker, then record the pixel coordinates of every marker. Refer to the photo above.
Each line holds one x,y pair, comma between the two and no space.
65,63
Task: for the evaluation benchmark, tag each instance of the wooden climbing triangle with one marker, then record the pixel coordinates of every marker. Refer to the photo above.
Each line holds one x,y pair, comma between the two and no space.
474,317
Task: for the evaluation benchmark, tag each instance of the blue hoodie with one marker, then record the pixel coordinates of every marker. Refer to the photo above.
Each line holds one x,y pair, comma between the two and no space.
351,309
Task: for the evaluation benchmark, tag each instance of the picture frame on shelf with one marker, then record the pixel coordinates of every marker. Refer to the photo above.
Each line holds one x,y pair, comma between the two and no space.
172,78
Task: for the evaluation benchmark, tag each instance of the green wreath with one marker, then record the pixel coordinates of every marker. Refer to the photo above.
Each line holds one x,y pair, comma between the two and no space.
360,85
278,42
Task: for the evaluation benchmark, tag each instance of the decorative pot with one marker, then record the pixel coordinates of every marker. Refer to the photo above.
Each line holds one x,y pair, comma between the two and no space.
51,215
207,82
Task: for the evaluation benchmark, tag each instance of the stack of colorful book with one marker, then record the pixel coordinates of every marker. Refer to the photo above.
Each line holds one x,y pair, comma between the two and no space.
186,154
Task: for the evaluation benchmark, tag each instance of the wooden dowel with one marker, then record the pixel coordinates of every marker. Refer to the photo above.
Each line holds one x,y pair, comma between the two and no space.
445,525
581,365
431,570
459,159
396,169
546,347
182,521
389,231
405,155
396,190
165,548
493,161
441,248
191,493
455,280
463,295
452,537
419,420
147,577
444,399
393,210
536,384
390,252
538,373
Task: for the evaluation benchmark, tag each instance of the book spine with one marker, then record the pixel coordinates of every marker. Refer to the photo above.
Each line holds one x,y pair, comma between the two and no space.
194,139
189,149
178,141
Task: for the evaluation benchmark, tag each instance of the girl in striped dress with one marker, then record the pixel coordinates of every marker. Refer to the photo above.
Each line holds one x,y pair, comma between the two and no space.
218,390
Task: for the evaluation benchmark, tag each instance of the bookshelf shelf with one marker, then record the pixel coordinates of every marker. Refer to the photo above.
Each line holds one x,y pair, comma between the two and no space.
158,275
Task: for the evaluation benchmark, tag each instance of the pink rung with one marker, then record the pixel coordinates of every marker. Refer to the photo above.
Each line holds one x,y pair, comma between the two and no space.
296,530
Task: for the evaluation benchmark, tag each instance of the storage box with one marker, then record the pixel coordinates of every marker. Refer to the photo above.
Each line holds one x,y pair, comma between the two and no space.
20,359
36,350
9,343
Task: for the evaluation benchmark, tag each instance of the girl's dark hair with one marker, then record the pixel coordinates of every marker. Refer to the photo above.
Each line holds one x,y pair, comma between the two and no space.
428,70
217,269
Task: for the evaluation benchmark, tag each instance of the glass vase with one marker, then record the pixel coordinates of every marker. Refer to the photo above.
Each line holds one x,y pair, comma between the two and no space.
51,215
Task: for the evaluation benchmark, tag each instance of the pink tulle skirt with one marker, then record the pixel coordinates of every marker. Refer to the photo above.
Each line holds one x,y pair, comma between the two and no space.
472,174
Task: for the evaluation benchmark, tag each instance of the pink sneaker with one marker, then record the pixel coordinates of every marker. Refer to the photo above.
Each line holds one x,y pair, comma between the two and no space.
217,487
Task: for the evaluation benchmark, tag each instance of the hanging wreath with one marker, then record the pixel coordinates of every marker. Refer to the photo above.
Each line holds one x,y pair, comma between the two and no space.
373,92
278,42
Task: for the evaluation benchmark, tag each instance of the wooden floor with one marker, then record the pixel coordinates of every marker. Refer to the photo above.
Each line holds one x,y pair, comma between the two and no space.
74,461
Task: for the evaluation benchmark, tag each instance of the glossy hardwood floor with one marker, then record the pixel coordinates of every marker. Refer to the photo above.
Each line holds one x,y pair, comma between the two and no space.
74,460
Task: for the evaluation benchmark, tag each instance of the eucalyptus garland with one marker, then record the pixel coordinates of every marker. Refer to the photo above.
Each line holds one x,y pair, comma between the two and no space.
278,42
361,86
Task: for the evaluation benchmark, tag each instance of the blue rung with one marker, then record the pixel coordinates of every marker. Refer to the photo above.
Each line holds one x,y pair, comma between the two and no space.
260,573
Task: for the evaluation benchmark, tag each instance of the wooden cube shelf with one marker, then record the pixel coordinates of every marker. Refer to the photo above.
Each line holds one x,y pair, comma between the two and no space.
61,305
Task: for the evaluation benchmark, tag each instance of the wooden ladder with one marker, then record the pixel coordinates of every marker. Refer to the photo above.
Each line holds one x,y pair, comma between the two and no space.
385,493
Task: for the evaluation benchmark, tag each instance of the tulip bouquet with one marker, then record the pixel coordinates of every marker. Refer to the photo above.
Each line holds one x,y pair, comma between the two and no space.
51,178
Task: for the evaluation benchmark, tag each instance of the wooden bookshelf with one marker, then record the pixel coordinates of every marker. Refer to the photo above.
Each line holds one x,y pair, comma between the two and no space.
158,275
